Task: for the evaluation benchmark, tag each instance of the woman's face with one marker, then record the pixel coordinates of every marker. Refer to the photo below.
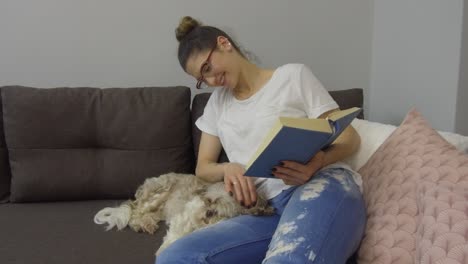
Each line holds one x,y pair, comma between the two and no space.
216,67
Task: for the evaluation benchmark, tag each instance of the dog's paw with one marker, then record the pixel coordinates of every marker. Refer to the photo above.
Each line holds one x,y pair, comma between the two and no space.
118,216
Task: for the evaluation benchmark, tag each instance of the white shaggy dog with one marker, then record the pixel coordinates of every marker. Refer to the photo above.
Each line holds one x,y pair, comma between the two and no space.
184,201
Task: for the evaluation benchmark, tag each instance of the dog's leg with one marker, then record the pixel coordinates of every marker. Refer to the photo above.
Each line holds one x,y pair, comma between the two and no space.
145,223
151,198
147,214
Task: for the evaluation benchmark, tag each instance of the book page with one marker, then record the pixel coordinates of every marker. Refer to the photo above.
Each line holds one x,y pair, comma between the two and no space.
321,125
339,114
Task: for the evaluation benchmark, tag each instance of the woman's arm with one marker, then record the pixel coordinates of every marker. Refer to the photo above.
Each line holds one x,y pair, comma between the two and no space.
232,174
344,146
208,167
294,173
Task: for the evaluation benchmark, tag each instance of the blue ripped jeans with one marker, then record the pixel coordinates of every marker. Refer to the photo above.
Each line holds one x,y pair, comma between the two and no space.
321,221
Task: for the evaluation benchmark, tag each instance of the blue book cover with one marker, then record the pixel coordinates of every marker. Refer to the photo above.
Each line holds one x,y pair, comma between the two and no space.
297,139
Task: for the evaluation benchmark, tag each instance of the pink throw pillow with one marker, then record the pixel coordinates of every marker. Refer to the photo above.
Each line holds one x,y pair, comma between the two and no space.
416,193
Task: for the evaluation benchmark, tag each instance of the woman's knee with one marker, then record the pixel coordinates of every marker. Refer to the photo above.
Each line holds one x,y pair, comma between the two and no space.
322,212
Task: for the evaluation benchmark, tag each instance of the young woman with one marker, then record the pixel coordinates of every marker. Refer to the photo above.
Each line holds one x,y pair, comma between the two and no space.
320,213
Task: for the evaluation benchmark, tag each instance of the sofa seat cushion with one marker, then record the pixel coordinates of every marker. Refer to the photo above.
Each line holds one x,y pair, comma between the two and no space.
91,143
64,232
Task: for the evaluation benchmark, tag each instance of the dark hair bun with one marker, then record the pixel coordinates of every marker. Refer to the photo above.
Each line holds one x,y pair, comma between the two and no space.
186,25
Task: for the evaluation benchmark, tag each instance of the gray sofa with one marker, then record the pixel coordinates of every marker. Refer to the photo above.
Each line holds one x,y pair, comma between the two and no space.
65,153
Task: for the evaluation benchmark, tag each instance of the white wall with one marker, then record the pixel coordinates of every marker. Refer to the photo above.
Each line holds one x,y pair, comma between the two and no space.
462,98
404,53
415,60
119,43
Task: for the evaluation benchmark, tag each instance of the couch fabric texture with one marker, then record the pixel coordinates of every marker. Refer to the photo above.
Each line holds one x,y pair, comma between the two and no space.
75,151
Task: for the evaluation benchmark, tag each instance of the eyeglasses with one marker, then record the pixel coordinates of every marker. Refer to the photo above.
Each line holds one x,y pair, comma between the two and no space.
205,68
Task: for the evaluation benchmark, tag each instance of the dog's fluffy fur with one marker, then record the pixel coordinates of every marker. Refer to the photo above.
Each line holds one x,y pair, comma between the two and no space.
184,201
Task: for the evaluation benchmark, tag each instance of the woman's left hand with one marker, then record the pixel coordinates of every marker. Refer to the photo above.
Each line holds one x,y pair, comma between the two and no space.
294,173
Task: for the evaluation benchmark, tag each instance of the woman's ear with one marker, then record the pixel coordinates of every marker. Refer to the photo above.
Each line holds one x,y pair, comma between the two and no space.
224,43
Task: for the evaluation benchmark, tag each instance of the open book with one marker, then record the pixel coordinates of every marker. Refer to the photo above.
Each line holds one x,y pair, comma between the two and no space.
297,139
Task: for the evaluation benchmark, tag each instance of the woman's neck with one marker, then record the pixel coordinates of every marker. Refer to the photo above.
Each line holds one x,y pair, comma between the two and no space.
251,79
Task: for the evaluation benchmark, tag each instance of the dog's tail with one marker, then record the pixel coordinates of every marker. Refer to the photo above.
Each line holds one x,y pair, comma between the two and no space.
116,216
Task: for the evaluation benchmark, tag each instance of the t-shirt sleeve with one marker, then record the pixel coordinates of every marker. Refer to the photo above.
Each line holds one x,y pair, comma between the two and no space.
207,121
316,99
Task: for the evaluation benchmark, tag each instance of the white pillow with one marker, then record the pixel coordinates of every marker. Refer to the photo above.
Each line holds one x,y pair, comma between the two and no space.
373,134
459,141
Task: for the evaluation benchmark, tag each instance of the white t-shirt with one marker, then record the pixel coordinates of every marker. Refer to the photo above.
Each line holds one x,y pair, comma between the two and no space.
241,125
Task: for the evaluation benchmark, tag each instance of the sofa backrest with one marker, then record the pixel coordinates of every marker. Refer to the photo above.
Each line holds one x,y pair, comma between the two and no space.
5,175
344,98
91,143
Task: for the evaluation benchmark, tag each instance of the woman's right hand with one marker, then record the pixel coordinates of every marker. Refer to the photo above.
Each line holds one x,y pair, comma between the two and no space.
242,187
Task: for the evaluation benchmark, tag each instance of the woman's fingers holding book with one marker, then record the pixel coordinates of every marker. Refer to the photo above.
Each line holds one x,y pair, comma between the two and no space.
288,180
296,169
292,173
